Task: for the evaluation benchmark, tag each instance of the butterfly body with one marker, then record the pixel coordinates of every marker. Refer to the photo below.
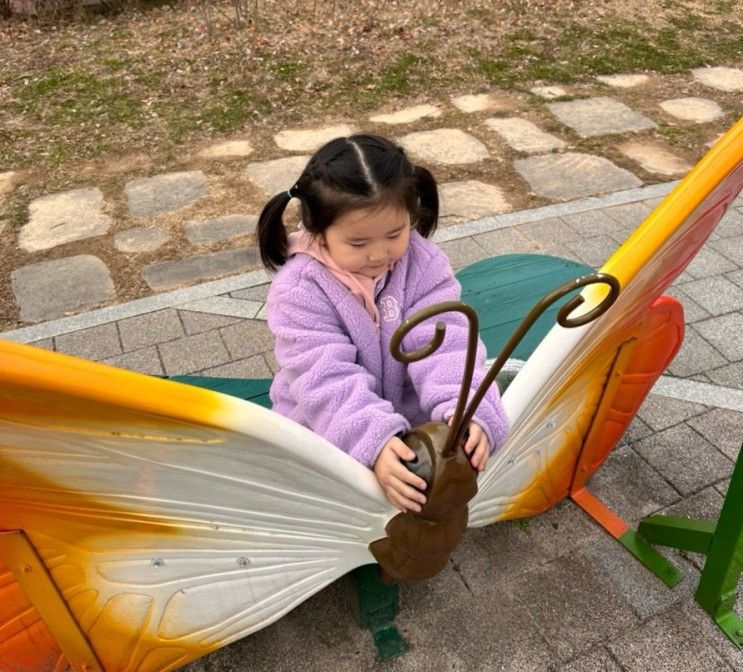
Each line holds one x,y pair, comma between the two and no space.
418,545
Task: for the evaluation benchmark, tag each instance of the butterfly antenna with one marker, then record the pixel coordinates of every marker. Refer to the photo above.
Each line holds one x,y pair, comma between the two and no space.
563,319
456,432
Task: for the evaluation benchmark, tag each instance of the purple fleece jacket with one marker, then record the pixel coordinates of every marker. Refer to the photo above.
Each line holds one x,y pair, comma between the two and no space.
336,374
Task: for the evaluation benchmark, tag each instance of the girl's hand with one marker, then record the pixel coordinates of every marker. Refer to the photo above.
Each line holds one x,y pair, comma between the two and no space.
476,445
397,481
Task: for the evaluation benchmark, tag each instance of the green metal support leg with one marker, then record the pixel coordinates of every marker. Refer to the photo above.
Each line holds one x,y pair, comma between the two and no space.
377,610
722,543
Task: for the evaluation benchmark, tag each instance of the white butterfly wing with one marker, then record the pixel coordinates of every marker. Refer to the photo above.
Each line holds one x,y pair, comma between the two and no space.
175,517
554,400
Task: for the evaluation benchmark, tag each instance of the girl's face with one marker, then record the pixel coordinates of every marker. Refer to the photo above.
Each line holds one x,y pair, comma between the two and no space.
367,240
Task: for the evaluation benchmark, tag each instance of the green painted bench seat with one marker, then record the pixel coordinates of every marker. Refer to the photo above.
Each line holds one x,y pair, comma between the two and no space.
501,289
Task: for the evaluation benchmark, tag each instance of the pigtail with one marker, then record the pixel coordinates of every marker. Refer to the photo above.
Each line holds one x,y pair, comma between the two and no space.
428,201
272,239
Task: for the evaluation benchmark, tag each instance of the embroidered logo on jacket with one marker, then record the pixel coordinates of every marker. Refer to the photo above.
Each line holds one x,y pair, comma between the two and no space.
388,308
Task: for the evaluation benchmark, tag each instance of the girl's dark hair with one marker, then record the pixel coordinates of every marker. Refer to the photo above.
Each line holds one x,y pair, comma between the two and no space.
360,171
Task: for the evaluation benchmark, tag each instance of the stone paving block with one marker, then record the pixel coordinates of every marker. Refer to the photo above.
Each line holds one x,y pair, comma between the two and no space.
723,486
724,333
140,239
408,115
668,642
704,505
629,215
252,367
145,360
693,312
653,203
698,110
548,92
469,200
430,610
262,314
46,343
95,343
463,252
164,275
729,376
196,323
720,78
596,660
51,289
716,295
508,549
505,241
573,175
150,196
550,230
523,136
448,146
226,150
599,116
731,247
594,223
627,484
594,251
257,293
711,634
62,218
573,603
216,229
637,430
685,458
320,634
623,81
655,159
696,356
722,428
643,591
480,102
225,305
709,262
511,548
149,329
731,225
310,139
277,175
193,353
663,412
736,277
247,338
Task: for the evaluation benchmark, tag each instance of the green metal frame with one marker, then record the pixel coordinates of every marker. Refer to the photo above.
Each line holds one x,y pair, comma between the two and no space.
722,543
377,608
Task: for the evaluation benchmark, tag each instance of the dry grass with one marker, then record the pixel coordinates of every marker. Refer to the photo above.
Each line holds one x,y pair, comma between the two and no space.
151,81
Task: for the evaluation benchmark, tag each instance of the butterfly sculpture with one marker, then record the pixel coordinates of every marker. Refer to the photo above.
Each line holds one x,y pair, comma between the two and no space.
145,523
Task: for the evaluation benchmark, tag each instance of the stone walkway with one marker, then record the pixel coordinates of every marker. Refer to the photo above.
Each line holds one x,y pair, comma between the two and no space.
75,280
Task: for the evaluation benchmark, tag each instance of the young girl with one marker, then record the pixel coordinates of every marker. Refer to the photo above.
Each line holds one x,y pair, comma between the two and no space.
360,265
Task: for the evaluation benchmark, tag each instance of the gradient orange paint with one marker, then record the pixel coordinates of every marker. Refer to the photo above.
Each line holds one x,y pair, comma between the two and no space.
703,196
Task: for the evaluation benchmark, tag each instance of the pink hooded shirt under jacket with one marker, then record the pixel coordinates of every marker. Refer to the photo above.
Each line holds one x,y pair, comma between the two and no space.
336,374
